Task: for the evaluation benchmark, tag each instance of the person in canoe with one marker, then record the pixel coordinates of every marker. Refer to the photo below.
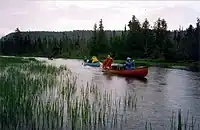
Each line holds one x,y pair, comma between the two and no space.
89,60
107,62
85,59
129,65
94,59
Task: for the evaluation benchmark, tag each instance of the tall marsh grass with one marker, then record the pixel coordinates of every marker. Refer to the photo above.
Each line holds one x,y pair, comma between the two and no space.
37,96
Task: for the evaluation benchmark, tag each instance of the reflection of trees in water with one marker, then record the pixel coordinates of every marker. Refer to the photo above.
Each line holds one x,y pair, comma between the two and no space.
128,80
133,82
108,76
132,79
158,79
158,74
190,89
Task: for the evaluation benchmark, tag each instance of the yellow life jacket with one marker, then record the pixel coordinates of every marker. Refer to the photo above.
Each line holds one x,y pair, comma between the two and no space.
94,59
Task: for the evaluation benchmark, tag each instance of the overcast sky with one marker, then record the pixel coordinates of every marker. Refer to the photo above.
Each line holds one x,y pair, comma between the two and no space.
73,15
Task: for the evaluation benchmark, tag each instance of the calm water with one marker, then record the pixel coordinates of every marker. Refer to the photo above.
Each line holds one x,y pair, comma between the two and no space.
164,91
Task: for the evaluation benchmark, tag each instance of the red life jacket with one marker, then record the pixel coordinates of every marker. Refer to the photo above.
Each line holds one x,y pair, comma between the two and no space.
107,63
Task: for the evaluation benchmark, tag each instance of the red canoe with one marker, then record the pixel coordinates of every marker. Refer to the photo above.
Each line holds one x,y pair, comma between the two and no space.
140,72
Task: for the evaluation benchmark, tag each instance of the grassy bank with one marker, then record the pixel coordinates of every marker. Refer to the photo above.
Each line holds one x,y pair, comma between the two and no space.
155,62
37,96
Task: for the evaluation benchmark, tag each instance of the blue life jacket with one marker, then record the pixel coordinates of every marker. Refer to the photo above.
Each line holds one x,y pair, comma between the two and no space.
129,65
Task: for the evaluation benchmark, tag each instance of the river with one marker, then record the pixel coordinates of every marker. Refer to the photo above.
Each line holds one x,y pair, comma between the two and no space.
163,91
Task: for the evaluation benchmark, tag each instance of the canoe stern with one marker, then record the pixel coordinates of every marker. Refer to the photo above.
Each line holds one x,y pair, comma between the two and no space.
138,72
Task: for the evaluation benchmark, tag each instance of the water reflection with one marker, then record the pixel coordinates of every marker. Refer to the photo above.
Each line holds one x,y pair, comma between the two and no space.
132,79
108,77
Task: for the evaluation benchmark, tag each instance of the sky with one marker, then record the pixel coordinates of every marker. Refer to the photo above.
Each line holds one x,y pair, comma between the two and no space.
44,15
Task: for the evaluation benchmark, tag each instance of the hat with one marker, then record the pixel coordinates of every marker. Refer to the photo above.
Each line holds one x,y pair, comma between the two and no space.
128,58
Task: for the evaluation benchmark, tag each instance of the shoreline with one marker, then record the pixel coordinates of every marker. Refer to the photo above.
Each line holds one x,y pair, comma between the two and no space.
183,65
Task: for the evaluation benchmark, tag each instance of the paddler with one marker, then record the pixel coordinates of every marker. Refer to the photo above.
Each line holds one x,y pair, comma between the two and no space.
85,59
129,65
107,62
94,59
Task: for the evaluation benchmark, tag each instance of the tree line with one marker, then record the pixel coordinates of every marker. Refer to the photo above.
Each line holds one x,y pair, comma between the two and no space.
137,40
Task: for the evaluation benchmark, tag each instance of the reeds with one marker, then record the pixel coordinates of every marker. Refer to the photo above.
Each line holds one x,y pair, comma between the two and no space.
37,96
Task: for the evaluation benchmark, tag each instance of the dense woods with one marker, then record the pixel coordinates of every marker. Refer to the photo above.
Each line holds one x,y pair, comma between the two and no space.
138,40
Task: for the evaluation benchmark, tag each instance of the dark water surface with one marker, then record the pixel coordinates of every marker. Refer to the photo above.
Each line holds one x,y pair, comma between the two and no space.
163,91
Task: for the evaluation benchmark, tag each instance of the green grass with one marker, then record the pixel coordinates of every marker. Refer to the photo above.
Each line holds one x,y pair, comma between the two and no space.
155,62
36,96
